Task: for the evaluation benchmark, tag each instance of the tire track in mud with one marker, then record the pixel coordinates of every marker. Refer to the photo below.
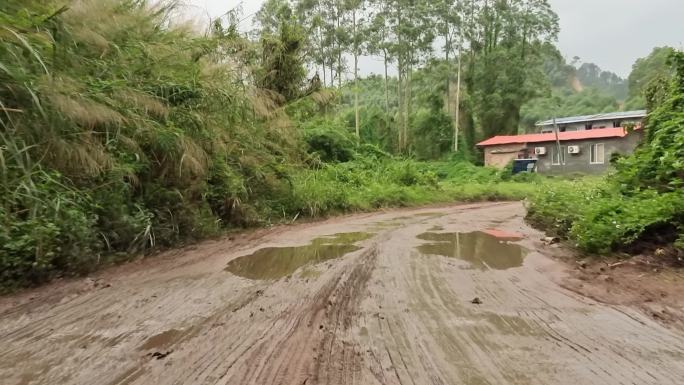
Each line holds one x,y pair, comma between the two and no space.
384,315
587,339
530,331
300,345
339,359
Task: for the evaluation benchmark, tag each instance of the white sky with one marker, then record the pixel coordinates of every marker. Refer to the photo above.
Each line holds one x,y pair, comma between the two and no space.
610,33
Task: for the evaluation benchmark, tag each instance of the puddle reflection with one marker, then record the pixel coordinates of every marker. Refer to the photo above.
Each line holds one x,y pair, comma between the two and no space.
481,250
278,262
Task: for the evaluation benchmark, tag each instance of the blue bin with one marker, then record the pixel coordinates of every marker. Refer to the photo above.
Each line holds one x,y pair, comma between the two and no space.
524,165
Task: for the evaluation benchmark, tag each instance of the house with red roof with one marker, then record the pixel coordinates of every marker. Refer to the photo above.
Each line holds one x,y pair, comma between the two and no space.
585,151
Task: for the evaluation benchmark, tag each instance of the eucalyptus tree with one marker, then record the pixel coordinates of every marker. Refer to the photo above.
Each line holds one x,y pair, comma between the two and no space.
379,40
448,15
269,15
340,38
507,40
409,39
447,25
357,31
311,15
418,36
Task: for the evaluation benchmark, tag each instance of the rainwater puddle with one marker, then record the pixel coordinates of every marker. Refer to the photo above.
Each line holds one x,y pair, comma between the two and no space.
481,250
279,262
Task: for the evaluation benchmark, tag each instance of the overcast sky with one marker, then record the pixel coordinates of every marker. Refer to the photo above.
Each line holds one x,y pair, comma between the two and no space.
610,33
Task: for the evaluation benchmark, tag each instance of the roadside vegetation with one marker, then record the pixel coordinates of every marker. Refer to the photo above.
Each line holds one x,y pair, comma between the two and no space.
640,207
124,130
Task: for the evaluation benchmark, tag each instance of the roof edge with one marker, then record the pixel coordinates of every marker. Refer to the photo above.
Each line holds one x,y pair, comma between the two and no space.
595,117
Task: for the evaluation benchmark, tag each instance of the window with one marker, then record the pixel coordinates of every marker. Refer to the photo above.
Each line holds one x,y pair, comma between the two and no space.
556,160
588,126
597,154
617,123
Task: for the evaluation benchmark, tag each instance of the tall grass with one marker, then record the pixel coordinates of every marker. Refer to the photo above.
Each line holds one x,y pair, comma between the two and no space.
121,130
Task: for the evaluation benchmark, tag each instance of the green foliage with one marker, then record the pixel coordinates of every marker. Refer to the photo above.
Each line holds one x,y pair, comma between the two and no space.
592,76
282,67
643,199
659,162
566,102
371,183
573,91
47,228
433,133
556,207
646,72
621,220
505,70
329,141
121,131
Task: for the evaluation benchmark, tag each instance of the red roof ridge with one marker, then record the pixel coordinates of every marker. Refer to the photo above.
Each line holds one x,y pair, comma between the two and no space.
617,132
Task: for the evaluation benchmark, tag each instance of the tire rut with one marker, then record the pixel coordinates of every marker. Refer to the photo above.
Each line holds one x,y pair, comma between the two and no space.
382,315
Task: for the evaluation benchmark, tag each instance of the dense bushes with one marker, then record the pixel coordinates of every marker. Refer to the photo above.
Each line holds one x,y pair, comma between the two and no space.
373,182
120,131
643,202
329,141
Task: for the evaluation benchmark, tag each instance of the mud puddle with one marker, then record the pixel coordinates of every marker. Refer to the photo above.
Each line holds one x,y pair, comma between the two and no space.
162,340
480,249
278,262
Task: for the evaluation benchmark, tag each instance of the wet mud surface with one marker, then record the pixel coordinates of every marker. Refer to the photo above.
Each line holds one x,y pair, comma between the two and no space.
455,295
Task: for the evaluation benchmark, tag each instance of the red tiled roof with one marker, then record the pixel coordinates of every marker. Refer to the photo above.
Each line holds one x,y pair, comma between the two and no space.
551,137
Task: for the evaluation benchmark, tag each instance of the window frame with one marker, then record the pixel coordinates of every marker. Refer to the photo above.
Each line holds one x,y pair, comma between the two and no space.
554,151
593,149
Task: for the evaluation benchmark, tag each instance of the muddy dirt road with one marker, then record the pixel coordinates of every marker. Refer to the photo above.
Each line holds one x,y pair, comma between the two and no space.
403,297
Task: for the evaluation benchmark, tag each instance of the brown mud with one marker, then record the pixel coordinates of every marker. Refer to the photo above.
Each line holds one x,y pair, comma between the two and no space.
452,295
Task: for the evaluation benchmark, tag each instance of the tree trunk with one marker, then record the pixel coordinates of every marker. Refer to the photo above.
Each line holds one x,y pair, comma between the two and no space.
409,76
356,79
332,75
339,57
400,94
387,103
320,47
448,79
325,81
458,102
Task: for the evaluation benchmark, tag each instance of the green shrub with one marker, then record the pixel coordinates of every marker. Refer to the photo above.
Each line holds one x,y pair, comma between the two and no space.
556,206
49,229
330,145
645,194
609,224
